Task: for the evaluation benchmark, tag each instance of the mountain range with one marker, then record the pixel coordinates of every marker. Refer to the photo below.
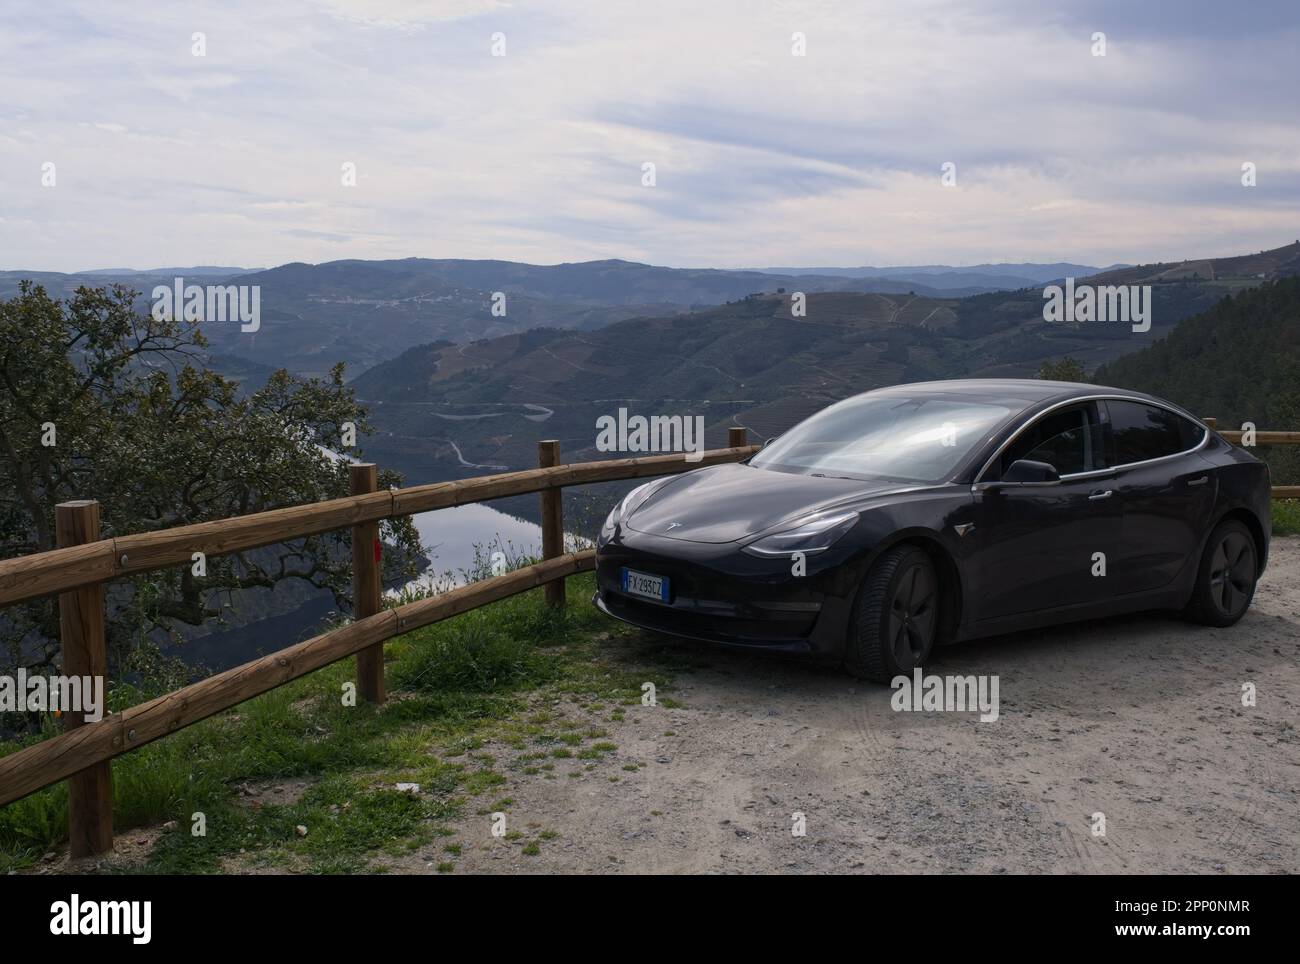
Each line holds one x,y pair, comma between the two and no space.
994,277
365,312
447,410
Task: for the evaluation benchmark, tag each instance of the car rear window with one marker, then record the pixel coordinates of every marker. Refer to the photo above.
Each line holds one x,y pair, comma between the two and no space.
1143,432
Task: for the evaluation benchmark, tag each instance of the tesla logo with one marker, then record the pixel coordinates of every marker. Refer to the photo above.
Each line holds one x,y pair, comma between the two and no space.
672,525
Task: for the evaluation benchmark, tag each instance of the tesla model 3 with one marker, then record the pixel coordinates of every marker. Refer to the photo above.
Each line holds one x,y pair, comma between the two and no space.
928,514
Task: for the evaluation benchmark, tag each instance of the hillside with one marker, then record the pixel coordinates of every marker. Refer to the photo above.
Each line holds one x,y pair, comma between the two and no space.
447,410
1238,361
1003,277
1268,265
364,312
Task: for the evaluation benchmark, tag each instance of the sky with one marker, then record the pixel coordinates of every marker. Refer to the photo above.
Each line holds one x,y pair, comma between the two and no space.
762,156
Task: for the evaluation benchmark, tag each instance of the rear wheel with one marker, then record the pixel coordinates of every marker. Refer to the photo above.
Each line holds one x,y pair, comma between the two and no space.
896,616
1225,582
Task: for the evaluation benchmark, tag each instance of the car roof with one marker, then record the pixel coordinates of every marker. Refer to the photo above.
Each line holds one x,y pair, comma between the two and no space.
1027,391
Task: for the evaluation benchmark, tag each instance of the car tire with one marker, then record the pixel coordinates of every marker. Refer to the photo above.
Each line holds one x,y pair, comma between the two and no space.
1225,580
896,616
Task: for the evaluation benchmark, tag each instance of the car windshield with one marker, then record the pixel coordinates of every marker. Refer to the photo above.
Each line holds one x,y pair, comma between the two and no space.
911,439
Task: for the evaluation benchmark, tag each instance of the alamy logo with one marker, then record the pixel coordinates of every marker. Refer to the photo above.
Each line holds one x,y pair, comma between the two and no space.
53,694
69,918
658,433
1126,303
242,303
956,694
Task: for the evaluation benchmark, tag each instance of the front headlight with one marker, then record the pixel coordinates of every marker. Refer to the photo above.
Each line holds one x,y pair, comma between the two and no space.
625,507
811,534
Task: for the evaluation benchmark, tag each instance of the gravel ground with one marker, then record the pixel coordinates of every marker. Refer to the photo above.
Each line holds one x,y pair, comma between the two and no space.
1137,718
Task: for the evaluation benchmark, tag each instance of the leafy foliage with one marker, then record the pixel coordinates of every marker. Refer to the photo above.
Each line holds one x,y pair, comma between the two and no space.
100,402
1065,369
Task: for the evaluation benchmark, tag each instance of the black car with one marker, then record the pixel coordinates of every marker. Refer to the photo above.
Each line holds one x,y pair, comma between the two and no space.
936,512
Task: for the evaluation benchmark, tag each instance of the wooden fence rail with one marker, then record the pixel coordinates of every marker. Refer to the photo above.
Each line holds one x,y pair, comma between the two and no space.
83,562
57,570
62,756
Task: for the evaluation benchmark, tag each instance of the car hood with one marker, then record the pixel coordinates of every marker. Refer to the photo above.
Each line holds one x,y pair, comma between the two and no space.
724,503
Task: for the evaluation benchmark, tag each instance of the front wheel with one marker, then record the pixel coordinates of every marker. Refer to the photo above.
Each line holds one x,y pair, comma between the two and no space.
896,616
1225,581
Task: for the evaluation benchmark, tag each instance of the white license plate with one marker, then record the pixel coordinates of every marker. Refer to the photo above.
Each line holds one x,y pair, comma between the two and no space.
643,584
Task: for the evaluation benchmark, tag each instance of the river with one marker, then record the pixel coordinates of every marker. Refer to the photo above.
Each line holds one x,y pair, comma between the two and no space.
450,536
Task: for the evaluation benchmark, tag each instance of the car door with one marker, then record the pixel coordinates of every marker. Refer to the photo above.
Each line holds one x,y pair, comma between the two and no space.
1166,492
1043,546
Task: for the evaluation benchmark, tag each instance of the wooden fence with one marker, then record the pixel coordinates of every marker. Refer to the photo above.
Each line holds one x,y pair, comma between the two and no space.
83,562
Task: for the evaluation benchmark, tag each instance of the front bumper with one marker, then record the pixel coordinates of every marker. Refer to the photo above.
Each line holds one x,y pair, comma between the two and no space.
721,595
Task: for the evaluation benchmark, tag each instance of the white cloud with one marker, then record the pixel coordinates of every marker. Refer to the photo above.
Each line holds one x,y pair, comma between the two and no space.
761,157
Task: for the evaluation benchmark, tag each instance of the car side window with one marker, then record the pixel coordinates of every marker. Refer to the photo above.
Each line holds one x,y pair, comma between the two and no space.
1143,432
1069,440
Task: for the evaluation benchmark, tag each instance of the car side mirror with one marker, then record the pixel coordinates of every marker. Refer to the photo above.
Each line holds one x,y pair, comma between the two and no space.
1029,472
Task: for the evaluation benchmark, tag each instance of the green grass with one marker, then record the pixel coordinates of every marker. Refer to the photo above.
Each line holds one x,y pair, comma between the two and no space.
453,686
1286,517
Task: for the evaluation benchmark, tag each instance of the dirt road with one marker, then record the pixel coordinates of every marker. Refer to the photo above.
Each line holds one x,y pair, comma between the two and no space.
1140,719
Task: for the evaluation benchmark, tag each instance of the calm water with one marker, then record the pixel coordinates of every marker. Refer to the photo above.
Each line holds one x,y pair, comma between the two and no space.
450,536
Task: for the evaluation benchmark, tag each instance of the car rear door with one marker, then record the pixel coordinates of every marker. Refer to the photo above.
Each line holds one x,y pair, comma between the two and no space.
1037,546
1166,492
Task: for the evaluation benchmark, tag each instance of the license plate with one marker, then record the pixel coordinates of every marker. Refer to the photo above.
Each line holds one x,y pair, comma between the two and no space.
643,584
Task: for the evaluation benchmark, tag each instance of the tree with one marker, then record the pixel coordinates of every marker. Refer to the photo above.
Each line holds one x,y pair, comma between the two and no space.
99,402
1065,369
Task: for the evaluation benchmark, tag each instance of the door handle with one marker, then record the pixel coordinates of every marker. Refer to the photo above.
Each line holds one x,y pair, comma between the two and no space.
1201,481
1098,496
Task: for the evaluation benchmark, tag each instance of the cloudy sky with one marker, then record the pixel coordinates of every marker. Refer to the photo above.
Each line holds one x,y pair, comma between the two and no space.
161,157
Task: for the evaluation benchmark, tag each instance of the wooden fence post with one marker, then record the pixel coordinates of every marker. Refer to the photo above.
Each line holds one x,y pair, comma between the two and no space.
1212,422
363,477
737,436
548,455
81,632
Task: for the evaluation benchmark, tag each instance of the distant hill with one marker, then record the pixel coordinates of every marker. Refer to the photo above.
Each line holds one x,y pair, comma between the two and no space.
364,312
1231,271
448,410
198,269
1000,277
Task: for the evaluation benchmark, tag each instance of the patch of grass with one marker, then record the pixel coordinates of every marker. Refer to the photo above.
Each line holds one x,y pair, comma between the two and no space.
454,687
532,848
1286,517
476,656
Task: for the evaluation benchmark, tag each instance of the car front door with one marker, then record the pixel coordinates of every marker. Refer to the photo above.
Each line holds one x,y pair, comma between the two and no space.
1166,492
1043,546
